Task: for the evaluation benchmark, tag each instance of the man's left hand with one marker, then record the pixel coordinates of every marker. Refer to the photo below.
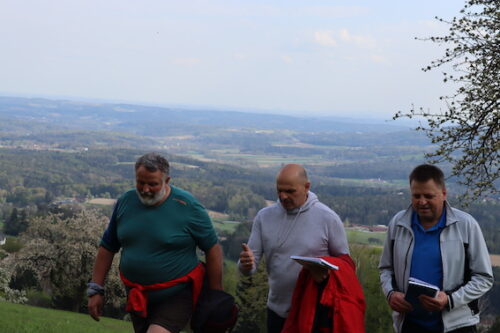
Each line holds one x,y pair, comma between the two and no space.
434,304
318,274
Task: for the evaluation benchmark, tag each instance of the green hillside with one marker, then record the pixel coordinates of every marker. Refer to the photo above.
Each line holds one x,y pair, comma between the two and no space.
27,319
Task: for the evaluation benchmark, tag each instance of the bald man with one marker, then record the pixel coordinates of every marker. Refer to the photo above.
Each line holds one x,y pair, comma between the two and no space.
297,224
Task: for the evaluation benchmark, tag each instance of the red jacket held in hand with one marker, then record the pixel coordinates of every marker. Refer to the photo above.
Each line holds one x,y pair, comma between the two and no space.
343,294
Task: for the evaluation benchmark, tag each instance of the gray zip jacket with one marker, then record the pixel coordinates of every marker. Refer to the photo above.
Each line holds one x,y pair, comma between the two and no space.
312,230
467,272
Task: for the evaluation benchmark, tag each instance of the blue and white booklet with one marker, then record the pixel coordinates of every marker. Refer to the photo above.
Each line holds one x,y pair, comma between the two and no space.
416,288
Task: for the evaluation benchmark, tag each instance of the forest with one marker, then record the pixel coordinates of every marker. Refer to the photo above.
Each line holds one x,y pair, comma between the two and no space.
31,181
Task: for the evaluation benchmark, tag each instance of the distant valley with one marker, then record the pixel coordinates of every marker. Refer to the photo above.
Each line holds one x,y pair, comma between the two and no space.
377,152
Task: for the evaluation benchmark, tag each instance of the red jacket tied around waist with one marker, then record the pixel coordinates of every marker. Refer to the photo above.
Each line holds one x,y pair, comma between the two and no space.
137,300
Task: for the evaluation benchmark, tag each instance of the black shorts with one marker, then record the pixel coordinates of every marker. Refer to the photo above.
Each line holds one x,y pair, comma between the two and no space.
172,314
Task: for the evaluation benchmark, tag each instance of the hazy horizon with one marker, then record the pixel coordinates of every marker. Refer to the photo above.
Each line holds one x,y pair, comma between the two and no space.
370,119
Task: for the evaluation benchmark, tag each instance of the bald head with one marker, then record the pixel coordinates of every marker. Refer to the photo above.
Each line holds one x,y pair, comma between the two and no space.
292,186
295,172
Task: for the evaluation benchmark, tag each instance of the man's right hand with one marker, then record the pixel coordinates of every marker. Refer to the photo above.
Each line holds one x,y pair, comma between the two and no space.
246,258
95,306
398,303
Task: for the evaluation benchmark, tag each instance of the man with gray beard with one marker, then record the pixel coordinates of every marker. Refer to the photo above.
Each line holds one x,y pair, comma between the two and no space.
158,227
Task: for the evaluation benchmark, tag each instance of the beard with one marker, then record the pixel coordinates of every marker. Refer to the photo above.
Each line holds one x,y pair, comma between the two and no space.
151,199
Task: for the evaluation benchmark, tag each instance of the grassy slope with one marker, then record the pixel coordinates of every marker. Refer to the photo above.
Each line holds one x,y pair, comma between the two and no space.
26,319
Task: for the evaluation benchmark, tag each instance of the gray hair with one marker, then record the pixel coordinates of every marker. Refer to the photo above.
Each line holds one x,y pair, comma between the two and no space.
153,162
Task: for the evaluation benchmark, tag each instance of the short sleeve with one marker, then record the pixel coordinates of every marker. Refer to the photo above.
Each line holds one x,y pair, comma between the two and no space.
109,239
201,228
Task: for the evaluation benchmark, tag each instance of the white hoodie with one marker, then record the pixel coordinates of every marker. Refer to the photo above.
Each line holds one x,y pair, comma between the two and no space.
312,230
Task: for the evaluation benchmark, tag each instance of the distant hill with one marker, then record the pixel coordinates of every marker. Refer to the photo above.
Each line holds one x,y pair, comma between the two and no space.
238,137
154,121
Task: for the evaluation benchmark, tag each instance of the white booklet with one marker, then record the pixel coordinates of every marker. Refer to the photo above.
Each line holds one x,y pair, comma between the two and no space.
421,287
315,261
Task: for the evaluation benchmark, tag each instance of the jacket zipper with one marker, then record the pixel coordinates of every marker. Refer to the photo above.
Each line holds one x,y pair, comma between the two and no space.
406,259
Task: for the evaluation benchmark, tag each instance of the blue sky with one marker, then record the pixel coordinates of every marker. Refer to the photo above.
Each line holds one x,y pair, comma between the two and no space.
313,57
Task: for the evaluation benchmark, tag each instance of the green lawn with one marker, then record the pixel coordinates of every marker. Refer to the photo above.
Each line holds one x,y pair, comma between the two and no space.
28,319
360,237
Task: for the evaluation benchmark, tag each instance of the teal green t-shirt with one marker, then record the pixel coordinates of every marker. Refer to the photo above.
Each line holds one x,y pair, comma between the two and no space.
159,243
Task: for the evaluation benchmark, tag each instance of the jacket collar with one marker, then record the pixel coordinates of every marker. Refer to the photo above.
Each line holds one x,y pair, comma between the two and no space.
405,220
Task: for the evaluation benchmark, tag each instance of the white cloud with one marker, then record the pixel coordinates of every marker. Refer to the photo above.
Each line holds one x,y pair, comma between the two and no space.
378,58
359,40
331,38
325,38
345,35
287,59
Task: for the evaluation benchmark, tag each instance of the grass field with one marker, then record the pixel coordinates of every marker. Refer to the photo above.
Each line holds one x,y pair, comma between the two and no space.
217,216
102,201
360,237
27,319
183,166
227,226
221,223
370,182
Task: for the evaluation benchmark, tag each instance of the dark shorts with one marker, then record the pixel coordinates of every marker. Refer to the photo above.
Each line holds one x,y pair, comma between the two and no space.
173,313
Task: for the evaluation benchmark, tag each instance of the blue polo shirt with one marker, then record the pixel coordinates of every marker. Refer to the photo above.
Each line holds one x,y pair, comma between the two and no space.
427,265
